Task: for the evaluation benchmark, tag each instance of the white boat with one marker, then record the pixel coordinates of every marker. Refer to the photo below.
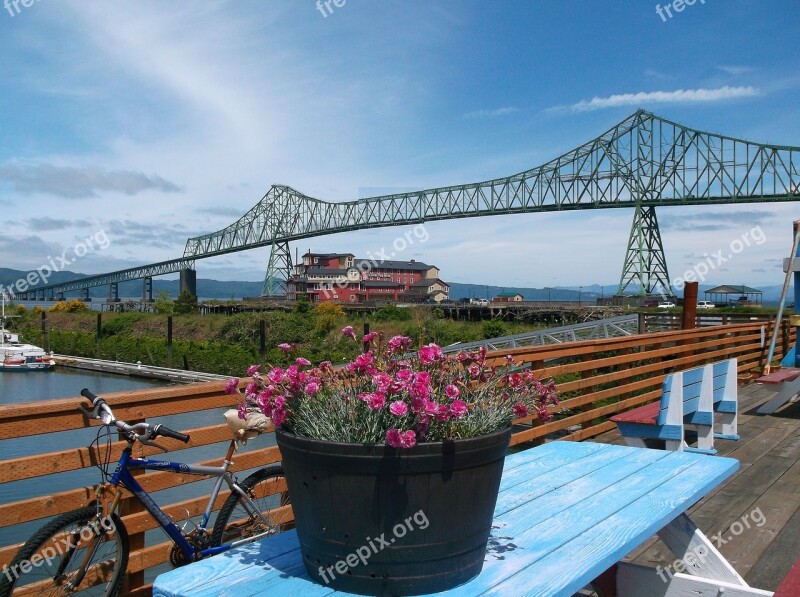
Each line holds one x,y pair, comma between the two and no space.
18,356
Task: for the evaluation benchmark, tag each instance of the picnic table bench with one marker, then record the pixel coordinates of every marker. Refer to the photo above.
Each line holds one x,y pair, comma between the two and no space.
786,382
687,397
566,514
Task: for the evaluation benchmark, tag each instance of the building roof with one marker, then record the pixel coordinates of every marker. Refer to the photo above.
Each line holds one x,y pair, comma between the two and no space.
730,289
425,282
377,284
369,264
509,294
316,270
328,255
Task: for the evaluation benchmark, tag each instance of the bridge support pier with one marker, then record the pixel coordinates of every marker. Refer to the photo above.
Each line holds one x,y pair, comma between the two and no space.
279,270
85,295
147,289
60,296
113,293
645,265
188,281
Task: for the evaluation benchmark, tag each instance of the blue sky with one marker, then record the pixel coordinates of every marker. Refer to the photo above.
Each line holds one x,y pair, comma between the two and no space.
154,121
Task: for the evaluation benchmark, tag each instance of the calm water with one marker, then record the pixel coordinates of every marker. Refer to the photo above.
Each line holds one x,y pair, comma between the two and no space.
41,386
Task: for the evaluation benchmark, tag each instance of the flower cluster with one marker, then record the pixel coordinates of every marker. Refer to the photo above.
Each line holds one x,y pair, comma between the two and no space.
387,394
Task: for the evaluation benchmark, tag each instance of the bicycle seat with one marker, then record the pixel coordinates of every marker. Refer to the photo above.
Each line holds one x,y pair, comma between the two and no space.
244,430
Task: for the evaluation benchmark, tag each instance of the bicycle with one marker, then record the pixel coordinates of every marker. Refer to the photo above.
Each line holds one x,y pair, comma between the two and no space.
86,550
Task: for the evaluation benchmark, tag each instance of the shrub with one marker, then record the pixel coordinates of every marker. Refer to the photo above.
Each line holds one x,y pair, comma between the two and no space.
328,316
493,329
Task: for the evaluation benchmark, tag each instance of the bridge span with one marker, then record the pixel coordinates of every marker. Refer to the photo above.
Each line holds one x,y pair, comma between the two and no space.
641,163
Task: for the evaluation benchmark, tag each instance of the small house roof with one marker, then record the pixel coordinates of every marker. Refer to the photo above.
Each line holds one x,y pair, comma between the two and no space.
509,294
733,289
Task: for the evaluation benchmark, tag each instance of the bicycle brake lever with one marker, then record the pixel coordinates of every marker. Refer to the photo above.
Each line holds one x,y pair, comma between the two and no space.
147,442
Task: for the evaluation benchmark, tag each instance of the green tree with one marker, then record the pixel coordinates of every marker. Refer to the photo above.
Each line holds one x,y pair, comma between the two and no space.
186,303
163,303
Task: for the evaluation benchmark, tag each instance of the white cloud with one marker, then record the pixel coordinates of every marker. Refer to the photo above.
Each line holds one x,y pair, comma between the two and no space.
505,111
679,96
735,70
76,183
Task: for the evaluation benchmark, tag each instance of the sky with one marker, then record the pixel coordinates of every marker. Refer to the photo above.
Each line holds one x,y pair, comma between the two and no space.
145,123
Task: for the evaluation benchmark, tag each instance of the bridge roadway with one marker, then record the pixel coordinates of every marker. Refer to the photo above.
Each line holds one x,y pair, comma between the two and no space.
642,163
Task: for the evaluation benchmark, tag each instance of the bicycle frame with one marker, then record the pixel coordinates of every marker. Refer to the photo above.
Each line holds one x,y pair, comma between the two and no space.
123,475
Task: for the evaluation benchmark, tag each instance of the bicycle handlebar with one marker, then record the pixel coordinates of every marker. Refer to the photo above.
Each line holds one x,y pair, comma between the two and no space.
144,432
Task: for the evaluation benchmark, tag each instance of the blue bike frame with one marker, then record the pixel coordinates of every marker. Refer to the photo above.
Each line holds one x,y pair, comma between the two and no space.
122,475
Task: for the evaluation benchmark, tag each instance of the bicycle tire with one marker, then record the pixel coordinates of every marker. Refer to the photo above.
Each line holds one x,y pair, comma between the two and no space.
46,550
233,521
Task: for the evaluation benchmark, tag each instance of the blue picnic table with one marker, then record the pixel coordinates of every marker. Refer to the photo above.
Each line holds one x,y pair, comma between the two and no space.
566,513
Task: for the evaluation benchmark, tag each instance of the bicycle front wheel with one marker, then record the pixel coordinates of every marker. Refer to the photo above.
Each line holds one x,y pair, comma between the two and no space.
236,520
78,552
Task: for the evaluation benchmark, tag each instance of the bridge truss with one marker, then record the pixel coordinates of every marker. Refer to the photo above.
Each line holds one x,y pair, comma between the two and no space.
643,162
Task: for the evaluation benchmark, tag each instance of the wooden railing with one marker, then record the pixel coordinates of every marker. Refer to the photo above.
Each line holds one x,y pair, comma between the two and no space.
595,379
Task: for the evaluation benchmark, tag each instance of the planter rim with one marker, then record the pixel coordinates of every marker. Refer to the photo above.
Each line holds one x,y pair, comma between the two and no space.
290,437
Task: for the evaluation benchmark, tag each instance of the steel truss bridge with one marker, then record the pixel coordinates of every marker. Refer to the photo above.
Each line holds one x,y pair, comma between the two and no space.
641,163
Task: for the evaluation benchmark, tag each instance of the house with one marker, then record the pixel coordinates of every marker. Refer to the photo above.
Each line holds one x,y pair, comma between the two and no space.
508,297
342,277
743,295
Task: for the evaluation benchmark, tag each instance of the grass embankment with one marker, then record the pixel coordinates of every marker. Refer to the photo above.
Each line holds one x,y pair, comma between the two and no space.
229,344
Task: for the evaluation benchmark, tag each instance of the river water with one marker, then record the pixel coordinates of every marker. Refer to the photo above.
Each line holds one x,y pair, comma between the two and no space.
41,386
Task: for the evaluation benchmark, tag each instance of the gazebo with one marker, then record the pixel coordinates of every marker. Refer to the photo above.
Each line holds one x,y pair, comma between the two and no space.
743,294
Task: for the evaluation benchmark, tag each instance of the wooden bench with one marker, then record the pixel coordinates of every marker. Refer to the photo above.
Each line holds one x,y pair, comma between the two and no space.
688,397
786,382
790,587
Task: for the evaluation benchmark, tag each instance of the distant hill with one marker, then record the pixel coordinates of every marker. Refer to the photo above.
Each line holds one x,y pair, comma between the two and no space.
133,289
218,289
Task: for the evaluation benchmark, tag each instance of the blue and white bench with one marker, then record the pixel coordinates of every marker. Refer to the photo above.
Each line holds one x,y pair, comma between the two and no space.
688,397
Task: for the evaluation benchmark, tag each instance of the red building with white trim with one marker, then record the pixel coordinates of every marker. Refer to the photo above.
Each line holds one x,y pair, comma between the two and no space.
343,278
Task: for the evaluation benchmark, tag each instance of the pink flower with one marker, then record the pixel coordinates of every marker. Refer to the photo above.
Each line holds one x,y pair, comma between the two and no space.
312,387
278,417
515,380
286,347
399,343
302,362
251,388
430,353
451,391
443,413
348,332
398,408
275,375
253,369
398,439
264,404
362,363
376,401
232,385
404,375
474,370
382,381
520,410
242,411
279,402
462,356
458,408
369,337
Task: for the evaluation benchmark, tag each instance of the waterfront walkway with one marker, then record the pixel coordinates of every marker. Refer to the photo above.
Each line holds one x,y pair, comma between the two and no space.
755,513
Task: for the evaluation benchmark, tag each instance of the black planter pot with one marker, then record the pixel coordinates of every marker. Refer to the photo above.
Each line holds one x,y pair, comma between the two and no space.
378,520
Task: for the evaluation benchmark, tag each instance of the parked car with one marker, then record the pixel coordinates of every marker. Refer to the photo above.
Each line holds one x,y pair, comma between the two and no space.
666,305
705,305
480,302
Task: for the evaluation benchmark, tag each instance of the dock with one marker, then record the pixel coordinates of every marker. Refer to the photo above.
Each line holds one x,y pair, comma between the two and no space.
136,369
